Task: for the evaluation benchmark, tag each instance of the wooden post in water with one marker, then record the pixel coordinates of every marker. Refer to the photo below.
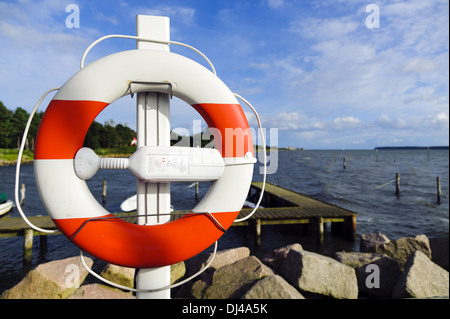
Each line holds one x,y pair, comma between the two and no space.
316,228
438,184
397,184
22,193
350,228
196,191
104,192
27,245
258,232
345,162
319,230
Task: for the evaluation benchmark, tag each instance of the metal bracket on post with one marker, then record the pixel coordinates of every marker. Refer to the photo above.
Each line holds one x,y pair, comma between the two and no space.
153,129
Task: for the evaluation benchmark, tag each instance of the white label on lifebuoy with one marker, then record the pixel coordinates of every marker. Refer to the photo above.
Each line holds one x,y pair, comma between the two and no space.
168,165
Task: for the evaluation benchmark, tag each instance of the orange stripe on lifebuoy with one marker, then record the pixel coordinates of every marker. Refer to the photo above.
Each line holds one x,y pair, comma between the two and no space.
230,121
63,128
141,246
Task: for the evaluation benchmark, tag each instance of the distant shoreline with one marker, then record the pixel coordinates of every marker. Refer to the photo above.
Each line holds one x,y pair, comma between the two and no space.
411,147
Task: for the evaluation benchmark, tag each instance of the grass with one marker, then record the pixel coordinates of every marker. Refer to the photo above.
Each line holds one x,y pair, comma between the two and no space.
113,152
9,156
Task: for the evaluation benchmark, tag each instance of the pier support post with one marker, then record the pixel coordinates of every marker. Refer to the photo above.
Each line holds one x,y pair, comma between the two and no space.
22,193
319,230
258,232
27,245
438,184
315,228
350,228
104,193
397,184
196,191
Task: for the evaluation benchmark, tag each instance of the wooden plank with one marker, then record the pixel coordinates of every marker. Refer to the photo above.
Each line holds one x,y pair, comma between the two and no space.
286,221
303,210
310,205
17,224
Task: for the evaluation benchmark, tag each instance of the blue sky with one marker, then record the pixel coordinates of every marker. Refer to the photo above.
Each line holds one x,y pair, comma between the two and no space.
312,69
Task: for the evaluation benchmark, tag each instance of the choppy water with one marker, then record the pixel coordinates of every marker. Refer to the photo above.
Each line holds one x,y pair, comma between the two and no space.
319,174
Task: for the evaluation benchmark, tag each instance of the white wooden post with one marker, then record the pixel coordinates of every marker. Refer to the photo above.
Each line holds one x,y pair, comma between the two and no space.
153,129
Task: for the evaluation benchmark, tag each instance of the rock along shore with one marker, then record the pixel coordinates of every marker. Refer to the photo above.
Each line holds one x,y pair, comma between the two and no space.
409,267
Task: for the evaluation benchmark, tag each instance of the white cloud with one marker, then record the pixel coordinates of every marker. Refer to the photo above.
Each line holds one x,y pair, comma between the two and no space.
321,29
275,3
440,120
286,121
184,14
385,121
413,122
295,121
106,17
347,122
419,65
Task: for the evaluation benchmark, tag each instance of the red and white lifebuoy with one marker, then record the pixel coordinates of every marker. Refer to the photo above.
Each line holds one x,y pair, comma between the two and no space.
67,198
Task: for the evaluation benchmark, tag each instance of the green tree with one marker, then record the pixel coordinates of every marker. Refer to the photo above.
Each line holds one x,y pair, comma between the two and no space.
34,128
5,126
94,136
19,121
109,136
124,135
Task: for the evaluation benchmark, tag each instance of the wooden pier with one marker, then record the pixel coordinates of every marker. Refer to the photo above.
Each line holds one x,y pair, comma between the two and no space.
281,207
294,208
15,226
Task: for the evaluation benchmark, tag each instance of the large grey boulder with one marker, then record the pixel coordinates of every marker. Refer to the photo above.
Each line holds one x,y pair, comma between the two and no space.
98,291
177,271
369,242
379,277
356,259
53,280
120,275
272,287
125,276
314,273
402,248
231,281
276,258
377,274
440,251
222,258
421,279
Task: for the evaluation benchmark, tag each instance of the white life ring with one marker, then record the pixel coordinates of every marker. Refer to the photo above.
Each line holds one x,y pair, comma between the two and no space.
70,203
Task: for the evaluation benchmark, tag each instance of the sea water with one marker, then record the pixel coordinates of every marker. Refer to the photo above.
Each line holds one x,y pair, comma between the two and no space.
365,186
